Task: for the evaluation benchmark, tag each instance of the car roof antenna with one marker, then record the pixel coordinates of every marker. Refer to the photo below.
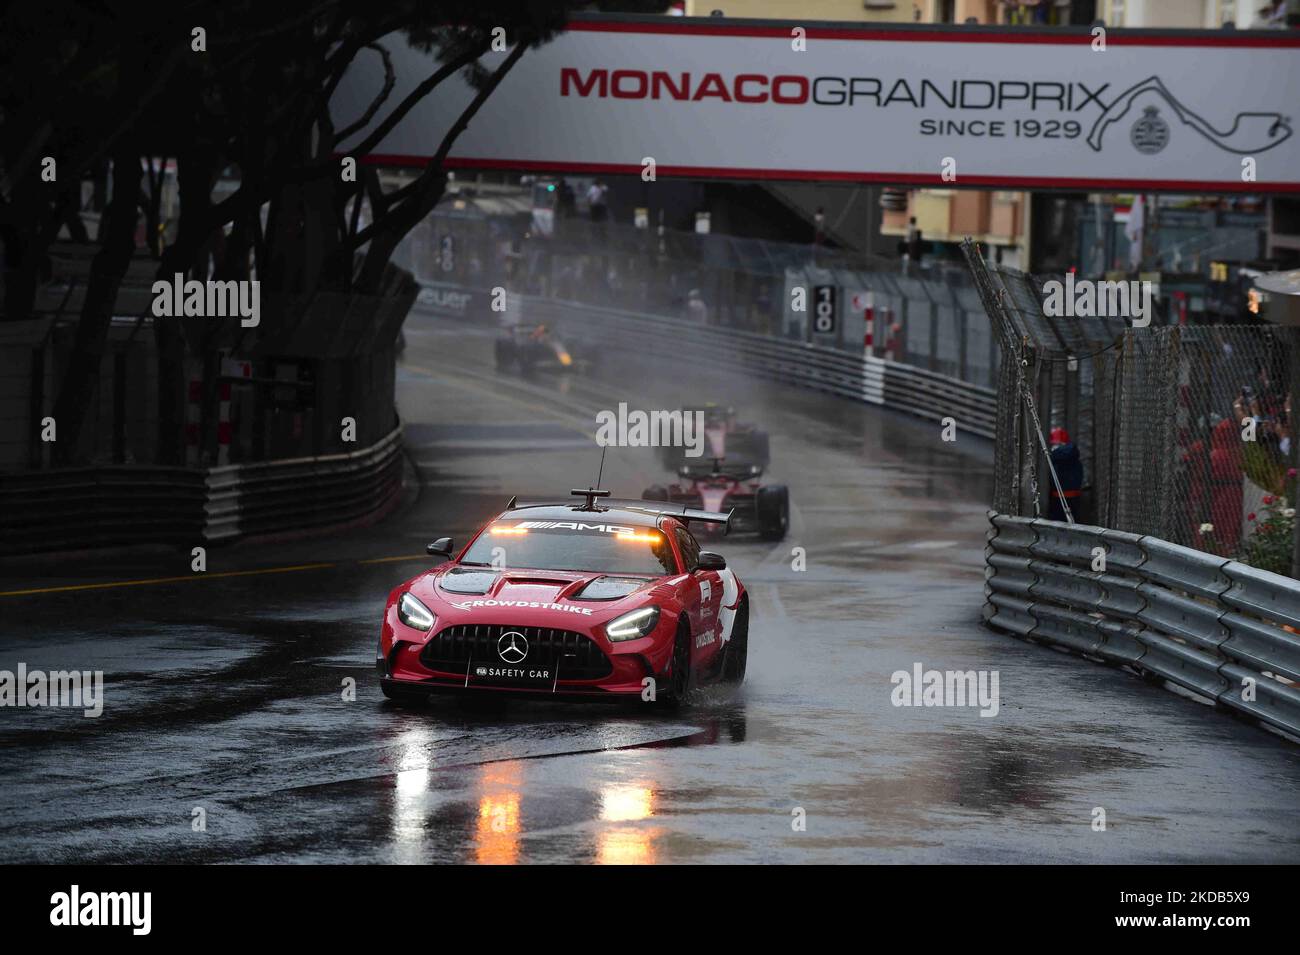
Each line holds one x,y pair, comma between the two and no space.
592,493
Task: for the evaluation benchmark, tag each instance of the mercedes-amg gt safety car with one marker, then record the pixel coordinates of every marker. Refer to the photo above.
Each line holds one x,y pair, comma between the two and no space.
598,599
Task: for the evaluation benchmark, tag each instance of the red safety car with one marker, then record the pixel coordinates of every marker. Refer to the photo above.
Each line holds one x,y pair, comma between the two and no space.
599,599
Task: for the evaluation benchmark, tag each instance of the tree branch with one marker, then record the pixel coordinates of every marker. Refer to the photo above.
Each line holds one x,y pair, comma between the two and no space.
390,80
385,232
422,90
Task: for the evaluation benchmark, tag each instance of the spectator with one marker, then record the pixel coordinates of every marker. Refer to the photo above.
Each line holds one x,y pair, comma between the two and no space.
1270,410
1222,533
567,200
913,247
596,201
696,308
1069,472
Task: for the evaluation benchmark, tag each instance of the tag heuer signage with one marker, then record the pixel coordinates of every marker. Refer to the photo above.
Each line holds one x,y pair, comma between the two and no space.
952,106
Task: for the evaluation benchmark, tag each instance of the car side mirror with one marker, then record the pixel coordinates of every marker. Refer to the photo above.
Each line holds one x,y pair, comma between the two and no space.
711,561
442,547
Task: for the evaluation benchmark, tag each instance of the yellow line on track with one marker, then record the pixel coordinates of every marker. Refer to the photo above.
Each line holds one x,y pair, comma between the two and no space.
165,580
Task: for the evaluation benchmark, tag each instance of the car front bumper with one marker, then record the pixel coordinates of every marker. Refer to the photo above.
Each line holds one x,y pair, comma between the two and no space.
578,664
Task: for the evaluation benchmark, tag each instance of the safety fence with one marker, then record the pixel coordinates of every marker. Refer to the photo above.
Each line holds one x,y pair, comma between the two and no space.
87,508
1183,432
816,367
1216,627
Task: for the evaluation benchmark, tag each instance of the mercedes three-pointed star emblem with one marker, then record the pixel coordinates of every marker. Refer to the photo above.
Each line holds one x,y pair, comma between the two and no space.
512,647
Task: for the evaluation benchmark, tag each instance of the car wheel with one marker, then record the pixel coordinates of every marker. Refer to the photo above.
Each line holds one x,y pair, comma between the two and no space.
403,696
679,677
773,507
655,493
733,664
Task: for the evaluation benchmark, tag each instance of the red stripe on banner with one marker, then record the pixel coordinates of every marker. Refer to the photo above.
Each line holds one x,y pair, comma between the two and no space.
1047,37
899,178
223,390
196,390
191,434
223,432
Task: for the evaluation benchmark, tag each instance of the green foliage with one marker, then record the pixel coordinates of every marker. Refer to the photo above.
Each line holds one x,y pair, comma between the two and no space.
1270,544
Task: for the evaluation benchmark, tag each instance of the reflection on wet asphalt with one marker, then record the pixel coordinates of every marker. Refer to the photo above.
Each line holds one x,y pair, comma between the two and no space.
228,695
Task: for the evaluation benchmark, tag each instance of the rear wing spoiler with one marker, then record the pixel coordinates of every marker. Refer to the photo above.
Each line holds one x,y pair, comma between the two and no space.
680,511
683,513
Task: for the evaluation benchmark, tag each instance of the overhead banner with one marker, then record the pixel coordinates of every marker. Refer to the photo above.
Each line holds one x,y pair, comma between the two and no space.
962,106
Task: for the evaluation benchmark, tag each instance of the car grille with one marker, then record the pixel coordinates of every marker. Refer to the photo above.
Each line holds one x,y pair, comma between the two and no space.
574,655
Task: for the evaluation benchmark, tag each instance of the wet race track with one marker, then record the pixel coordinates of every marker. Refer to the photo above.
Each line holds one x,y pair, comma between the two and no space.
225,691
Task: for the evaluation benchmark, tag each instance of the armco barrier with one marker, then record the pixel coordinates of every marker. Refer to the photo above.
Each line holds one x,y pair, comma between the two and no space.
276,496
1211,625
846,374
87,508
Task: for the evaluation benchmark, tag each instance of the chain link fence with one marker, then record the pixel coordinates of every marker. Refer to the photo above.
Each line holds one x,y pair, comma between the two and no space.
1183,432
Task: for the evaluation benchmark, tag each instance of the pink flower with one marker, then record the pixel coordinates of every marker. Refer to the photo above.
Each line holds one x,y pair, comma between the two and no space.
1290,472
1268,498
1250,516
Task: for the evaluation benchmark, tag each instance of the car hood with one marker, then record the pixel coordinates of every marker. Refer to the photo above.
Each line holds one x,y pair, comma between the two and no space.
554,594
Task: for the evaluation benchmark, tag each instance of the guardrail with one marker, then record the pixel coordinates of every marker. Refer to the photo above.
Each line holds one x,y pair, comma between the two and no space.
87,508
1216,627
301,493
857,377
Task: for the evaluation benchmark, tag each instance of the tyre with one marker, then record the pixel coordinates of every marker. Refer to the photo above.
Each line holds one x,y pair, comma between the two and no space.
403,696
737,653
679,674
773,511
656,492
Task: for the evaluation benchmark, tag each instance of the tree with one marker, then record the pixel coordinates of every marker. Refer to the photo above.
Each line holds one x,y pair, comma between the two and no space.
97,87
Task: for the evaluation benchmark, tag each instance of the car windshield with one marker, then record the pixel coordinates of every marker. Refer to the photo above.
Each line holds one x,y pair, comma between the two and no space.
574,545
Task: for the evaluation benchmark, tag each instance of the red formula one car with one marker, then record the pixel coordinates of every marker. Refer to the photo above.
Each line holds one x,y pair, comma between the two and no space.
730,478
594,600
755,507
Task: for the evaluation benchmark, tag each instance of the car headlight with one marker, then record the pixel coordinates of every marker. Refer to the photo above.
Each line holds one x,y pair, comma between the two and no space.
415,614
638,623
